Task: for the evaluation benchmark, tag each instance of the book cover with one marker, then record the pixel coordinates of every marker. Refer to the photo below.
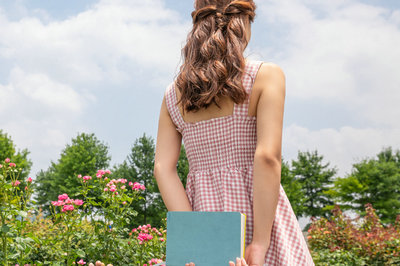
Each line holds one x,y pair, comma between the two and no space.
205,238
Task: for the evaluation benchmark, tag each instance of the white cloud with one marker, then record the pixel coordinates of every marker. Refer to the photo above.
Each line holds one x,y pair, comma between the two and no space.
341,51
96,45
41,89
56,69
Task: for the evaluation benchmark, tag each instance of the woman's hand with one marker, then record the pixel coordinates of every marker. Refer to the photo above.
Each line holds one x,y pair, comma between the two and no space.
239,262
255,254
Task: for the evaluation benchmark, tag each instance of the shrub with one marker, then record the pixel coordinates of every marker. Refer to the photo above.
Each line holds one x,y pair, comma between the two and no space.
81,229
355,241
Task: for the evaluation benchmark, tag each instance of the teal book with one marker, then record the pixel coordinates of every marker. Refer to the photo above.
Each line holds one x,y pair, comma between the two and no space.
205,238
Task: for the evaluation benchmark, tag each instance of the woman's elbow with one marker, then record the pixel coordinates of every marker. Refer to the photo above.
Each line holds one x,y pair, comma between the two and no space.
269,158
162,170
156,170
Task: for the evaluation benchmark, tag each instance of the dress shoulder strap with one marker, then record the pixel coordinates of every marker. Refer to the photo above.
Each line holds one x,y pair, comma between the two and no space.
250,73
171,102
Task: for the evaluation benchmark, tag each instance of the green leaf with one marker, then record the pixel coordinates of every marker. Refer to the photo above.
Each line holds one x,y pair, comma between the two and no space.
80,253
5,228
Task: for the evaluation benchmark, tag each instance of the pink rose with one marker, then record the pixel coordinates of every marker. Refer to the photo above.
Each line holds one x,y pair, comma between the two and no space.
81,262
69,201
16,183
29,180
87,177
130,184
13,165
123,187
7,160
67,208
62,197
57,203
100,173
144,237
78,202
79,176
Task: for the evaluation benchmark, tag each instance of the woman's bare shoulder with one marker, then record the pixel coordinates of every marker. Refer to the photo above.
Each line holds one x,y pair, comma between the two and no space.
270,79
270,76
270,70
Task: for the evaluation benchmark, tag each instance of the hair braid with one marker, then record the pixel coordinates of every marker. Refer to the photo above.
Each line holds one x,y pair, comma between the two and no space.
213,54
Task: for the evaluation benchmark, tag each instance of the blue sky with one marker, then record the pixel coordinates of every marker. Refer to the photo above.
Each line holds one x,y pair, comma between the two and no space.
102,66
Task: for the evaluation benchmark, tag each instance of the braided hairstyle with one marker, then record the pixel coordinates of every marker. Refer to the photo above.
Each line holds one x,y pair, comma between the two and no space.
213,55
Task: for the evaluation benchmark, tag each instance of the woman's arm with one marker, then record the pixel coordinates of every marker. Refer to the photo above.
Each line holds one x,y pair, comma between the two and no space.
267,159
167,154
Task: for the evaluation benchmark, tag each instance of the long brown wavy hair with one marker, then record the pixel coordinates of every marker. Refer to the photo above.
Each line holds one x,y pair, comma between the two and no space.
213,62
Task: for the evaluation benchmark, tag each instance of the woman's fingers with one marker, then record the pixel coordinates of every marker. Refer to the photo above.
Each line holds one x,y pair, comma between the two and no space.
239,262
189,264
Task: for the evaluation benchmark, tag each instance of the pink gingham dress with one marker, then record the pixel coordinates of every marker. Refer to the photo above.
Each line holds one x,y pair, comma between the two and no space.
220,152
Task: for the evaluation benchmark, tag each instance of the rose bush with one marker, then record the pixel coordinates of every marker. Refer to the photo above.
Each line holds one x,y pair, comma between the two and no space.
81,230
359,241
14,200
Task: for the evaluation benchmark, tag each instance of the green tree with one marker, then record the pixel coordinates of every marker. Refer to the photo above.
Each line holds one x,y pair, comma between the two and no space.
85,155
375,181
19,157
315,178
292,189
182,166
138,167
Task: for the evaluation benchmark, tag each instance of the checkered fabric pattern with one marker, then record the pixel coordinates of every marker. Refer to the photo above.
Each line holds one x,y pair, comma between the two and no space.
220,152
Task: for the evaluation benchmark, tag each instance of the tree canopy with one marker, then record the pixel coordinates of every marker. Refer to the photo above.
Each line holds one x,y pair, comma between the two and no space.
373,180
85,155
20,157
292,189
315,178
